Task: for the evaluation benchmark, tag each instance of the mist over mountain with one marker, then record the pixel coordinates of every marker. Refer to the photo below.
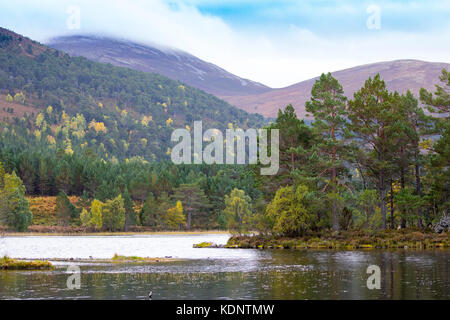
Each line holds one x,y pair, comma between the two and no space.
73,103
172,63
245,94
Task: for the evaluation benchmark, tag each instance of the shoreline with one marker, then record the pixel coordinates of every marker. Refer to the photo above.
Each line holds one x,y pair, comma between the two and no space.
356,240
102,234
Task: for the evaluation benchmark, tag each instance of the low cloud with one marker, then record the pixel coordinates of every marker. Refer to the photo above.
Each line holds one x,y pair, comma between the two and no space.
274,55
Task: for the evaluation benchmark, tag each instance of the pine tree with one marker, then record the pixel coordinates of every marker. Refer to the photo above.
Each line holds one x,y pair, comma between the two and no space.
295,138
113,214
328,106
65,210
373,122
193,199
440,158
43,178
130,214
63,178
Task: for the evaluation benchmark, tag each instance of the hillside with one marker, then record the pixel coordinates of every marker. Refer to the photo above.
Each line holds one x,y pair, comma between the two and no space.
174,64
116,112
247,95
399,75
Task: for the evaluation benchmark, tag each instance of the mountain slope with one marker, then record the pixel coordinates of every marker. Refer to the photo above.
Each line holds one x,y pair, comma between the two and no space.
116,112
174,64
399,75
250,96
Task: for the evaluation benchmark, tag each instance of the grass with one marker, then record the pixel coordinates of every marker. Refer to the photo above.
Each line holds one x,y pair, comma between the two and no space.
131,259
349,240
7,263
203,245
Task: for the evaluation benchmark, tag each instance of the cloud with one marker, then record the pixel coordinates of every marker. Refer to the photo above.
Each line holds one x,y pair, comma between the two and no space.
277,44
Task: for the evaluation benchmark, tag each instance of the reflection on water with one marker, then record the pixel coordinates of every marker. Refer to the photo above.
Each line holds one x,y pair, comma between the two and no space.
232,273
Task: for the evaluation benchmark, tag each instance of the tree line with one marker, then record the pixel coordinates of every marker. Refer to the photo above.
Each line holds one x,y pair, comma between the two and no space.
375,161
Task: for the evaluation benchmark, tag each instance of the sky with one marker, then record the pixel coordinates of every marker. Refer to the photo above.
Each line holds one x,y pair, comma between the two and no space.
277,43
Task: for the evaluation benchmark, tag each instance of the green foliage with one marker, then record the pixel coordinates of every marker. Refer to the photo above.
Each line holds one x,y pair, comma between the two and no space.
408,203
65,210
105,134
193,199
7,263
110,109
96,214
367,207
440,102
14,207
438,174
238,211
289,211
130,214
85,218
113,214
175,218
345,218
328,106
375,122
2,176
296,139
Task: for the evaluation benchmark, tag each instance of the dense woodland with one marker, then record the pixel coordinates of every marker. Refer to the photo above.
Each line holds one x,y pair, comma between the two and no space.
117,113
375,161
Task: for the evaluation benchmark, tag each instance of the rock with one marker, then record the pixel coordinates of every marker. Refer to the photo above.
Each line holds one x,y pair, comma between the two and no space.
442,225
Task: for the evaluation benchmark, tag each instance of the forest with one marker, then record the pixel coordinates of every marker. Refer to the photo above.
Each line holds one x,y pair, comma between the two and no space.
94,153
119,113
376,161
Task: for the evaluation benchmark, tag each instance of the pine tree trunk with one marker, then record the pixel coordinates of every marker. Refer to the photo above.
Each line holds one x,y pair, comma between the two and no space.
418,189
335,207
392,205
382,188
189,220
334,182
402,184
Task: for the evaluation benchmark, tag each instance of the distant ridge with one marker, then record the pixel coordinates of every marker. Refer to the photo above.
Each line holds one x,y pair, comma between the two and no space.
247,95
399,75
172,63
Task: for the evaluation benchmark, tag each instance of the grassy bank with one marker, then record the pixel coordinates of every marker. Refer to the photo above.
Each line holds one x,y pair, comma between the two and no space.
134,259
16,264
346,240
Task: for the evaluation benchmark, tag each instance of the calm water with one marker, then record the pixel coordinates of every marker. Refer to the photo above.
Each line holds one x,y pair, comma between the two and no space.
220,273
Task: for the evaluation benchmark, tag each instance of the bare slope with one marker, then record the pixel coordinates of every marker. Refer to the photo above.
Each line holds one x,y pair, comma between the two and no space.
399,75
172,63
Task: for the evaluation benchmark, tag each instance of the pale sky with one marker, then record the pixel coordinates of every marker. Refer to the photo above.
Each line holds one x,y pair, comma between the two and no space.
277,43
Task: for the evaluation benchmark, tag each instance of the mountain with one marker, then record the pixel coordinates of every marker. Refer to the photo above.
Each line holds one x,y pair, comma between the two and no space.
247,95
117,113
172,63
399,75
